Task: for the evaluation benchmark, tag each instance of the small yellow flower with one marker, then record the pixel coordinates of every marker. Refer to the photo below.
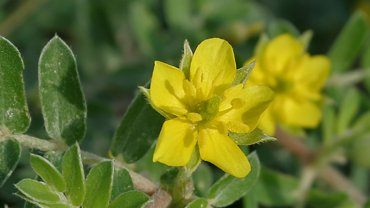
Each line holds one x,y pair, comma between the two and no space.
296,78
203,106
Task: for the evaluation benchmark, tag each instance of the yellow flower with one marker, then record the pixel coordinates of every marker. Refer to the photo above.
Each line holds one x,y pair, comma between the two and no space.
202,106
296,78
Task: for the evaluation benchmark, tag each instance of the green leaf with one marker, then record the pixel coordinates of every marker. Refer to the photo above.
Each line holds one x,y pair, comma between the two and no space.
14,115
30,203
242,74
10,152
359,150
367,204
253,137
359,177
361,125
169,178
48,172
37,191
365,65
348,109
324,199
131,199
269,182
137,131
121,182
198,203
328,124
202,179
62,101
349,42
55,158
73,175
99,185
229,189
250,200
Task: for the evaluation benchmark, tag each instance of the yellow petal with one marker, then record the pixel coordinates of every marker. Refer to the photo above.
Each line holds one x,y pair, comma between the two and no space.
255,99
260,76
213,66
176,143
312,72
222,151
166,89
301,113
281,53
267,123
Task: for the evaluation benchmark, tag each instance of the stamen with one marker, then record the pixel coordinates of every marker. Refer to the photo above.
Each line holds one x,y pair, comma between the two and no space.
209,108
189,88
237,103
194,117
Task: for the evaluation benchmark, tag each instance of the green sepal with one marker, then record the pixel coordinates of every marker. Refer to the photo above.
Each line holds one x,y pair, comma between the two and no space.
254,137
305,38
186,59
243,73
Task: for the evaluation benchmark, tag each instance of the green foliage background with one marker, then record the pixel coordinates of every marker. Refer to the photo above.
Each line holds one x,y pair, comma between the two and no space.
116,42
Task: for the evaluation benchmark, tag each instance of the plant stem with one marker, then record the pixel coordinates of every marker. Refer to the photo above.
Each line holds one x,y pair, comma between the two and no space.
160,198
327,174
19,15
336,179
36,143
308,176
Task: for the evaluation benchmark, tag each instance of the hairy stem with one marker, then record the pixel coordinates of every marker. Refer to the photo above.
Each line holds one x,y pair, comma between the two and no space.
19,15
327,174
36,143
160,198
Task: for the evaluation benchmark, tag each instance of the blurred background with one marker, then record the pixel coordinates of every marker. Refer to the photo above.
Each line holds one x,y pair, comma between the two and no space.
117,41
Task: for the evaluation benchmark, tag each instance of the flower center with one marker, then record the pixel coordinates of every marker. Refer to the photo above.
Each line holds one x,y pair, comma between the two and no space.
282,85
208,109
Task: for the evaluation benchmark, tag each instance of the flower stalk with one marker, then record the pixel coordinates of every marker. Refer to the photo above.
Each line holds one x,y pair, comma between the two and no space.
325,173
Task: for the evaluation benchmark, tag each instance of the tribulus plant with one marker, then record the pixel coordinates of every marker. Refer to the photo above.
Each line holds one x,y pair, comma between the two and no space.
195,135
209,111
